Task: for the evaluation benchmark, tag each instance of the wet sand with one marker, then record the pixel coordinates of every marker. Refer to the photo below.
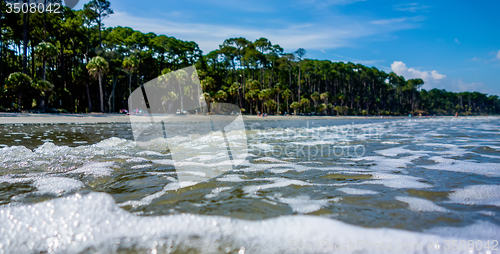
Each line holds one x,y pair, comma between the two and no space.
29,118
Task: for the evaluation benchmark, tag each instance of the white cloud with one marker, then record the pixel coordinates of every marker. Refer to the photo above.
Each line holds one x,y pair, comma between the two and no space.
397,20
498,55
324,3
401,69
411,7
456,40
288,35
459,85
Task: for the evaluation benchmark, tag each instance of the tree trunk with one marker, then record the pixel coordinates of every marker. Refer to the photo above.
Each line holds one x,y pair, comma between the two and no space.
25,41
101,93
43,97
88,97
130,83
299,81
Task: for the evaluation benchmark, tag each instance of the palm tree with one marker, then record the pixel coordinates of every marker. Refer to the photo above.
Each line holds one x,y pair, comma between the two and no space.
207,84
181,77
264,95
321,108
251,96
270,104
43,87
315,97
220,96
304,102
300,54
295,105
97,67
208,98
45,51
278,88
325,96
286,95
18,82
338,109
130,64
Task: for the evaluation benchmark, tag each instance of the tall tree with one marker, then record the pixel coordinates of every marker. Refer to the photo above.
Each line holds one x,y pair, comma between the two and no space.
100,10
130,64
20,83
300,54
97,67
45,51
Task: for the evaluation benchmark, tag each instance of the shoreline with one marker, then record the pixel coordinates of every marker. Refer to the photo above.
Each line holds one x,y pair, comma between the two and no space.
76,118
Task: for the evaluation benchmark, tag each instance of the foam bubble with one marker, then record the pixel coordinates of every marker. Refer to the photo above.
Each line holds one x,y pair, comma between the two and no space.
354,191
93,222
57,185
277,183
463,166
421,205
399,181
96,169
304,204
477,195
216,191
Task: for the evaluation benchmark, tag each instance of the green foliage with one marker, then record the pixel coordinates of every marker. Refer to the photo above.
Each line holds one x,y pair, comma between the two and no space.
97,66
18,81
45,50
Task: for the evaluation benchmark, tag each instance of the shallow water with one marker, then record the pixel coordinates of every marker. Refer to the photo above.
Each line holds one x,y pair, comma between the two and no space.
88,187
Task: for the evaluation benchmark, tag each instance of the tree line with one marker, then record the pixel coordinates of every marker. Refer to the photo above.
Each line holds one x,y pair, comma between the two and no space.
70,62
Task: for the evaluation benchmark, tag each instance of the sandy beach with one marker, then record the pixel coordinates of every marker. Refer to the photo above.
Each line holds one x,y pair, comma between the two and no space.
29,118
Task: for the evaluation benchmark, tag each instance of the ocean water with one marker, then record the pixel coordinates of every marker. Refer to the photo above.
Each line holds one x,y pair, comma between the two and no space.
325,186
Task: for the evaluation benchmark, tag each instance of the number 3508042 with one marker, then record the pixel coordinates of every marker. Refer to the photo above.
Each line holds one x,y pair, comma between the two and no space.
33,8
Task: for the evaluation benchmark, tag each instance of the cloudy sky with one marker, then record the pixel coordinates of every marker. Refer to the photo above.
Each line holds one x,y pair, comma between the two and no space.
453,45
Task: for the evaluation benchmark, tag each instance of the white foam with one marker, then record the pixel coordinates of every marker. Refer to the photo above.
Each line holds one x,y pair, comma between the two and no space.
57,185
421,205
354,191
453,150
150,153
304,204
276,183
50,149
216,191
149,198
269,159
164,162
15,153
111,142
137,160
94,223
398,181
463,166
395,151
262,146
477,195
96,169
383,163
231,178
141,166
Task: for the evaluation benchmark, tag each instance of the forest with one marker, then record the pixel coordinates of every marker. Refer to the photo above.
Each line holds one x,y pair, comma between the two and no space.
70,62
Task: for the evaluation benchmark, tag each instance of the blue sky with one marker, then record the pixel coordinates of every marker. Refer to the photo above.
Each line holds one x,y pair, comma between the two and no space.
453,45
